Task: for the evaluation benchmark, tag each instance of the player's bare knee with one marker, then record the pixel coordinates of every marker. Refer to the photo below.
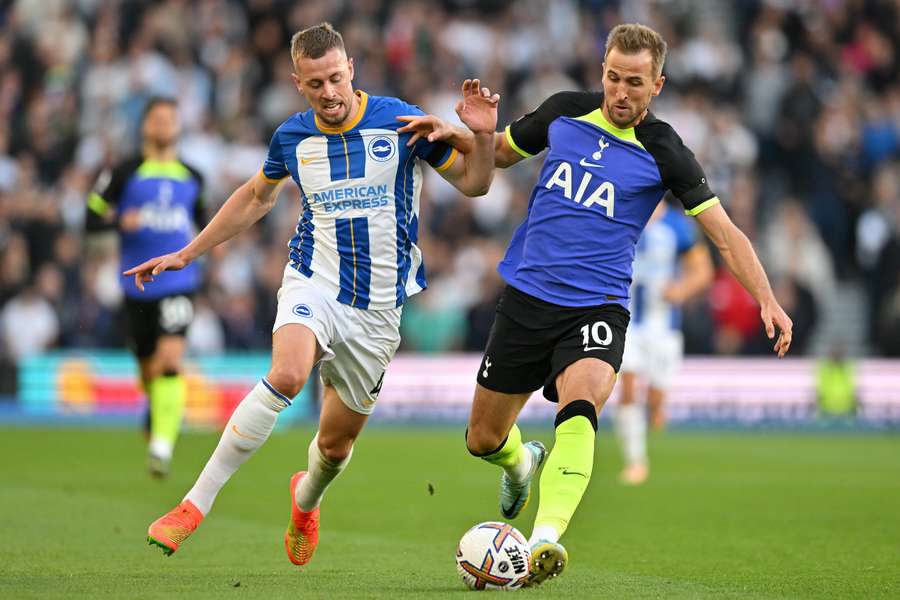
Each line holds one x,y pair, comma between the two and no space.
481,441
168,366
287,380
334,448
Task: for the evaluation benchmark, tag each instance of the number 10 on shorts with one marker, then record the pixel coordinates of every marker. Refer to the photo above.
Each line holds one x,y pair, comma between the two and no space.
599,333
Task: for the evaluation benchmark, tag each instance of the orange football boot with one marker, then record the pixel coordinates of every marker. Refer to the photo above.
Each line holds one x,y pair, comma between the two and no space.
302,535
171,529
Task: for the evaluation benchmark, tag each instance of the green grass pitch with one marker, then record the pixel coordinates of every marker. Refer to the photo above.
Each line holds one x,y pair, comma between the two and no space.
736,515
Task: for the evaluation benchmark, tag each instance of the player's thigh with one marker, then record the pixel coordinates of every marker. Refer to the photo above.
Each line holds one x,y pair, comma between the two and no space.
142,320
517,357
634,353
302,334
294,352
368,340
596,337
588,379
627,387
169,353
339,426
665,359
493,414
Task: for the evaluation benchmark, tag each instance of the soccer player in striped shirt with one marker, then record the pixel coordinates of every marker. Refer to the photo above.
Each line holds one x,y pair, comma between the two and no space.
671,265
352,264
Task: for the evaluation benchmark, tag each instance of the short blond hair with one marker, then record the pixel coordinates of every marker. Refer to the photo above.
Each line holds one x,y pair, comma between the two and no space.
631,38
315,41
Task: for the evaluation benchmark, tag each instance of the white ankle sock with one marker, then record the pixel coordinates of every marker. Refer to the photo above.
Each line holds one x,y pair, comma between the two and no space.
543,532
631,427
320,473
247,429
519,471
161,448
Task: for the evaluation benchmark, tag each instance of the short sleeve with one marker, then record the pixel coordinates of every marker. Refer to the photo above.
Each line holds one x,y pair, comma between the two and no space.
274,168
439,155
103,199
527,135
199,214
678,168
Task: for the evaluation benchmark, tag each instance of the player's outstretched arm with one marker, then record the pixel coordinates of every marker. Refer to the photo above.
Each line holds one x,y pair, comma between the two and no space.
473,172
434,129
743,262
244,207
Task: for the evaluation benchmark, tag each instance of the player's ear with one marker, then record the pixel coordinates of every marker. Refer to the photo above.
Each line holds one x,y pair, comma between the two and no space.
350,66
296,80
658,85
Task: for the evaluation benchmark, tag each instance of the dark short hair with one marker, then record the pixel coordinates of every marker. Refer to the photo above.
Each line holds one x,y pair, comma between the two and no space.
155,101
631,38
315,41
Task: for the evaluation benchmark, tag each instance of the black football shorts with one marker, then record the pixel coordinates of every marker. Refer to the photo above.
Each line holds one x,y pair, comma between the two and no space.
148,321
533,341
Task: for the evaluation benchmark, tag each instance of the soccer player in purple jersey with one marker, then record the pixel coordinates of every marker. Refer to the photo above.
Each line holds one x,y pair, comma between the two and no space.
561,321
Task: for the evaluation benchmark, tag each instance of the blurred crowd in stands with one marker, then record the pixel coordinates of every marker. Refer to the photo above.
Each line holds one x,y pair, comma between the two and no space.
792,107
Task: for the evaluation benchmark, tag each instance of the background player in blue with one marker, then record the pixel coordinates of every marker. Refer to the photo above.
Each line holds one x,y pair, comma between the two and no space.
155,202
671,265
351,266
561,321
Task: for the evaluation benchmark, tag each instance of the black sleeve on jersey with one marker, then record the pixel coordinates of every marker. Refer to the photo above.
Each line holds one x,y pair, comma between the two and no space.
678,168
529,132
103,199
438,154
200,219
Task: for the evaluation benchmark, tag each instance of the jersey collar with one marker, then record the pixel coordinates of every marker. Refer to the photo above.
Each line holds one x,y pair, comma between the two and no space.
597,118
363,103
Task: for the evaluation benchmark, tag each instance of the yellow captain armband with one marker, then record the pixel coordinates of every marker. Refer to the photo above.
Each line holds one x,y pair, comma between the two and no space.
451,158
97,204
269,179
693,212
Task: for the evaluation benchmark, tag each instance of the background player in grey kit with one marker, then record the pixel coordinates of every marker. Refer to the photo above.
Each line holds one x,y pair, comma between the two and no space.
561,321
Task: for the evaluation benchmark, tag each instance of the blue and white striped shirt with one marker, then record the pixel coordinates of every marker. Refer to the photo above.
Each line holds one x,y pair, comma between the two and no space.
359,189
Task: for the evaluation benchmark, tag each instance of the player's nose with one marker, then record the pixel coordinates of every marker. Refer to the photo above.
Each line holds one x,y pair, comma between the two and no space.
329,91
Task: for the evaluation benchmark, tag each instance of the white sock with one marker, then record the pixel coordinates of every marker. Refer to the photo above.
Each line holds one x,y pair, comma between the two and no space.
161,448
519,471
543,532
247,429
320,473
631,427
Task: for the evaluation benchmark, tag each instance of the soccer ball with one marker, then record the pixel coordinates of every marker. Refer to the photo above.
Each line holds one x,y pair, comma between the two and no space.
493,556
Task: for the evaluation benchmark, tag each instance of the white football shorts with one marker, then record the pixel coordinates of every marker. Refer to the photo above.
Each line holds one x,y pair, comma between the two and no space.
357,344
653,354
